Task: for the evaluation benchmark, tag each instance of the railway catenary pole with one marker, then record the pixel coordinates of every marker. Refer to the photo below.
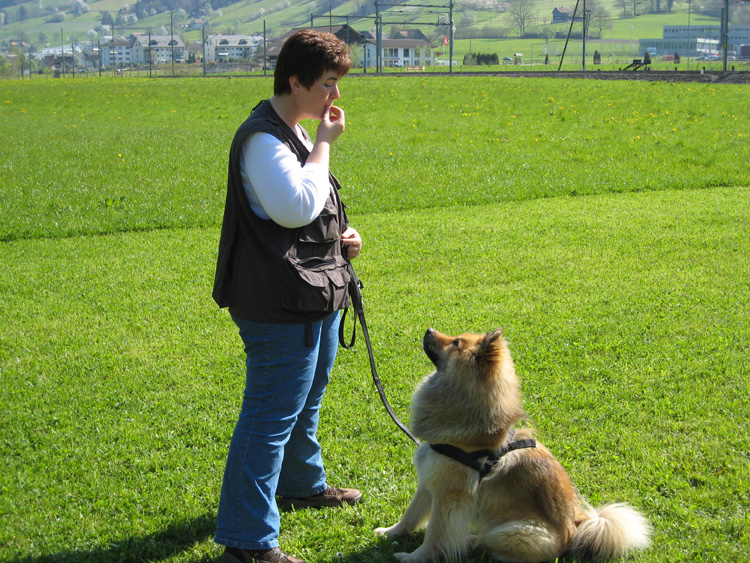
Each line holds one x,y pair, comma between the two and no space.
379,28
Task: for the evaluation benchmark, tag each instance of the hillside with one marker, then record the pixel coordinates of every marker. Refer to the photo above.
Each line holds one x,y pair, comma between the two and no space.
51,22
481,26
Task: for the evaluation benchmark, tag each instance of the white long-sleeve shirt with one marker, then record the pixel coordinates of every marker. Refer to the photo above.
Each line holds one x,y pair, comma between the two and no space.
277,187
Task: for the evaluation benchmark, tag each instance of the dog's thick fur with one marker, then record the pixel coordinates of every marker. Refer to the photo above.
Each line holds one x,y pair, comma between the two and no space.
526,508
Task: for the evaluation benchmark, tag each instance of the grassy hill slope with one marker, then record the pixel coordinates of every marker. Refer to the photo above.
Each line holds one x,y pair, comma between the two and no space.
249,17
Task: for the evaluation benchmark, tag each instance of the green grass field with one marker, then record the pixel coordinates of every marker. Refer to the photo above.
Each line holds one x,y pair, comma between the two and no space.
603,225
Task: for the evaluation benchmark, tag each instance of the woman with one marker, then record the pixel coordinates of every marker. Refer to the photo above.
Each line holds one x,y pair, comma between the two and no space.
282,272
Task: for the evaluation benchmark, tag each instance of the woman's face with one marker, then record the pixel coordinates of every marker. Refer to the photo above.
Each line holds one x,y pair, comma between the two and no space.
321,95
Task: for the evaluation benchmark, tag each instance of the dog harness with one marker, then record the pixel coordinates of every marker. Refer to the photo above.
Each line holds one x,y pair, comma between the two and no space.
483,461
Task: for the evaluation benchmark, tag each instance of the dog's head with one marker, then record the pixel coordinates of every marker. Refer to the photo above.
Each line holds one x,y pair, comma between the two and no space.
478,353
472,397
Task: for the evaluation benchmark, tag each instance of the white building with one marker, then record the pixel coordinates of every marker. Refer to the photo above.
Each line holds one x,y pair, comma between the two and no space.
400,52
157,49
406,48
693,40
141,49
117,53
230,48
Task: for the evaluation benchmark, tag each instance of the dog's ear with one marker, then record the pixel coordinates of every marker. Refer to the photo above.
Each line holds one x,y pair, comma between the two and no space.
489,351
495,334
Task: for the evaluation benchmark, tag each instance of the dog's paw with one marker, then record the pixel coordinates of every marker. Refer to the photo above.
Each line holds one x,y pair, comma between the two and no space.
385,531
403,556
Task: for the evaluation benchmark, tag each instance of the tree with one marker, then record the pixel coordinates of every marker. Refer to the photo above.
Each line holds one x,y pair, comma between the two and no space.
600,16
521,13
443,28
740,15
469,18
107,19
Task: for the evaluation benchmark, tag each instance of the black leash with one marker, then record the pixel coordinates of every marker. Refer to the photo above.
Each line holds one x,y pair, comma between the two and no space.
355,292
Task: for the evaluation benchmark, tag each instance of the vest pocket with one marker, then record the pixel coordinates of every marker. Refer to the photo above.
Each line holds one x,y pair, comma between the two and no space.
325,228
322,284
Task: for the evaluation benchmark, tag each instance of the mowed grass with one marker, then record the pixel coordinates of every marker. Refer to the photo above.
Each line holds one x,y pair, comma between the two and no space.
94,156
624,298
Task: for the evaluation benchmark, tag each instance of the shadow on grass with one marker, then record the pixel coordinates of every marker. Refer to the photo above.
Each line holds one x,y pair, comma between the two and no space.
177,538
181,537
384,548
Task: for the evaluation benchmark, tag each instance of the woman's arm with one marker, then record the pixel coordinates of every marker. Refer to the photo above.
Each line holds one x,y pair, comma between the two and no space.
277,187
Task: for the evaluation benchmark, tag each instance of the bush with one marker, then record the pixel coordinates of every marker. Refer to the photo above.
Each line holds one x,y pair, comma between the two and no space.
478,59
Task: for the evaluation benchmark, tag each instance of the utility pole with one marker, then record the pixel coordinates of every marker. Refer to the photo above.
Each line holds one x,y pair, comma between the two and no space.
113,52
378,40
450,49
171,42
725,32
584,35
149,54
265,52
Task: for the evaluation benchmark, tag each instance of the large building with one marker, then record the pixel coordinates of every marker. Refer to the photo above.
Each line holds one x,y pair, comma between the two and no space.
696,40
157,49
407,48
231,48
142,49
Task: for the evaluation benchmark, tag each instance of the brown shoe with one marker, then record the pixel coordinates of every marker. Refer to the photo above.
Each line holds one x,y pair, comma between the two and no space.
330,498
275,555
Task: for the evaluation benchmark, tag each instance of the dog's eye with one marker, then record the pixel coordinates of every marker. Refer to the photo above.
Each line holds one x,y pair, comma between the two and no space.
456,343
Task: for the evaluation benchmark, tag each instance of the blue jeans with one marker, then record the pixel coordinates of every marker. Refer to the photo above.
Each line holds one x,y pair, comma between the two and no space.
274,449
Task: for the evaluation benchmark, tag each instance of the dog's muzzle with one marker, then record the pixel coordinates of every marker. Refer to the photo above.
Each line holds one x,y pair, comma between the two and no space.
430,346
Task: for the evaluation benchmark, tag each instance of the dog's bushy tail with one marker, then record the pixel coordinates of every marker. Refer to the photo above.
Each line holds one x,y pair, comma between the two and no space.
609,532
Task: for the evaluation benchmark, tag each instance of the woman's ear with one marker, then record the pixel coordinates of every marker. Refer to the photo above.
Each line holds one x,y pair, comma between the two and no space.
294,84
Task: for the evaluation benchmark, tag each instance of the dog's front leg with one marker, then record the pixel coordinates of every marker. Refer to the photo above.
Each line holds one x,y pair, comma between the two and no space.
416,516
447,536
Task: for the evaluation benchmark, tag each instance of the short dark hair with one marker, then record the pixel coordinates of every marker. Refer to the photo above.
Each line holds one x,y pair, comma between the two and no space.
307,54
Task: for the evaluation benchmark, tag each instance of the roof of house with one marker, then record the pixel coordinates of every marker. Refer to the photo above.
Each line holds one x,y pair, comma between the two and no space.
563,10
120,42
158,41
396,43
233,40
408,34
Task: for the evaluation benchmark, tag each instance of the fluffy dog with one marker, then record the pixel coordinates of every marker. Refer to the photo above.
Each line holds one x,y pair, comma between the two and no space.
475,473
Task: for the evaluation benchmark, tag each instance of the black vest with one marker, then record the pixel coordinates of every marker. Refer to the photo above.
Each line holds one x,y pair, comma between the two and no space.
269,273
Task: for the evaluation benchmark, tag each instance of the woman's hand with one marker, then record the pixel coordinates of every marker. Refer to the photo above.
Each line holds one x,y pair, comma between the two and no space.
332,124
352,241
